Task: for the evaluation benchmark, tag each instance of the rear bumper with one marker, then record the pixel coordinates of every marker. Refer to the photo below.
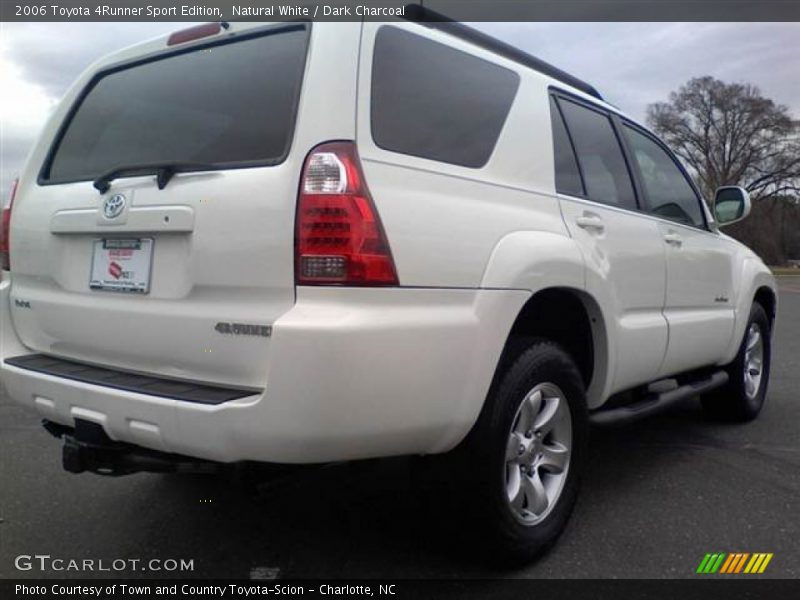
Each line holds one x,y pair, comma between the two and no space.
354,373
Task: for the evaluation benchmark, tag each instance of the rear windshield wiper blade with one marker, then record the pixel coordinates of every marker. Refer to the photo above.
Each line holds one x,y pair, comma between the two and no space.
163,171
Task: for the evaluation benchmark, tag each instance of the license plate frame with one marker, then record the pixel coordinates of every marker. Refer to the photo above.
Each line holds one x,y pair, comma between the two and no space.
121,265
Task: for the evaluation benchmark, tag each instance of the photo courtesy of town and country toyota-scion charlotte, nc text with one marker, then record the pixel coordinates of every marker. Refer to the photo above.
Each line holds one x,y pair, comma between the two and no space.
288,10
203,591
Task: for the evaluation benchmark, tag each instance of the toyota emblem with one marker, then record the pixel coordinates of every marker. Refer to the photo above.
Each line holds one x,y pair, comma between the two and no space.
114,206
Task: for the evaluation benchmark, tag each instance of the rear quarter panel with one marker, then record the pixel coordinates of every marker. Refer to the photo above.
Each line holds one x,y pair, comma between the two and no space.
443,221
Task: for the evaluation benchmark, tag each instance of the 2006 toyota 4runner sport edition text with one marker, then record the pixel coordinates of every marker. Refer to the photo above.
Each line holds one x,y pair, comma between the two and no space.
302,243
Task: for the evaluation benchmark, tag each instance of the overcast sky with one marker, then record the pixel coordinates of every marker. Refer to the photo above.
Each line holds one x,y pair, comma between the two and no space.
632,64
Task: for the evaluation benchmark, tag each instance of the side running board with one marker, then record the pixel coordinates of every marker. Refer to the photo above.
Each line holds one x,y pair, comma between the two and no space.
655,403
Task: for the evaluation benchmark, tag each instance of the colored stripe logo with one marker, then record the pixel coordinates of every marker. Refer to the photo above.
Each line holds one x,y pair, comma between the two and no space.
733,563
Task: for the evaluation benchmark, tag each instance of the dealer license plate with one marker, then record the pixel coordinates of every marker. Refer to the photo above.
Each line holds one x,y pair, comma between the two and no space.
122,265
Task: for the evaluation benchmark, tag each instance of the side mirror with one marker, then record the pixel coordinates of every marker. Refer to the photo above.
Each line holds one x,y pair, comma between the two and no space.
731,204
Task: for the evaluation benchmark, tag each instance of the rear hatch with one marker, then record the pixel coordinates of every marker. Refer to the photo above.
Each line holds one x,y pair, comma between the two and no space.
182,260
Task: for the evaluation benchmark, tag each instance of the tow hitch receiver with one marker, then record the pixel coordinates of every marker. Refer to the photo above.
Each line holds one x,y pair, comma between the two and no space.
88,448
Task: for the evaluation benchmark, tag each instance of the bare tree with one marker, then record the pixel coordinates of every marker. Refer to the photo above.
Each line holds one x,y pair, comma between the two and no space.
729,134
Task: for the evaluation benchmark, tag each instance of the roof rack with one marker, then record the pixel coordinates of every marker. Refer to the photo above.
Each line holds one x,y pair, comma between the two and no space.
429,18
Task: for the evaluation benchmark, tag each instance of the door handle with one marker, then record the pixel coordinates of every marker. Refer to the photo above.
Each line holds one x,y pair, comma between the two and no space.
673,239
590,222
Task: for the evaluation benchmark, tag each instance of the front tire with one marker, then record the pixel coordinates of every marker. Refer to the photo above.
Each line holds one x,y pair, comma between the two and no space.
742,398
528,452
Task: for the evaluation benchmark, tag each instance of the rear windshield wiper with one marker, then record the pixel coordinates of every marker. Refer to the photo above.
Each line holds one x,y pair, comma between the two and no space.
163,171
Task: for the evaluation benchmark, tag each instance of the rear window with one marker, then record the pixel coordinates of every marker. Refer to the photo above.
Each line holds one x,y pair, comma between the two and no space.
230,104
435,102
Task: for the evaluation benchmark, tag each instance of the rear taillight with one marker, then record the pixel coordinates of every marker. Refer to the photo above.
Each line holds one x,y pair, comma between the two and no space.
339,236
5,230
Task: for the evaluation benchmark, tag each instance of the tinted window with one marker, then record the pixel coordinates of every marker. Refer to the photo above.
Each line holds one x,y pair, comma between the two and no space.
432,101
669,194
568,177
230,103
605,173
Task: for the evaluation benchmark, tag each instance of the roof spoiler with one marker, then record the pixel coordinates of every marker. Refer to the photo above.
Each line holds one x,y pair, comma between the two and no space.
430,18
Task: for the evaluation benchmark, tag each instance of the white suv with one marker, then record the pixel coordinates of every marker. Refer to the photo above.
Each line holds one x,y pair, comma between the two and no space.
303,243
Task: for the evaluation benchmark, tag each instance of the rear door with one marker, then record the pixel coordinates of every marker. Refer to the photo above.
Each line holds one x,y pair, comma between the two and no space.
623,248
185,279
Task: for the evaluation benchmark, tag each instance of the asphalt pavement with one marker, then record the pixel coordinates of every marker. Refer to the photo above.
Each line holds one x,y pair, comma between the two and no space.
659,495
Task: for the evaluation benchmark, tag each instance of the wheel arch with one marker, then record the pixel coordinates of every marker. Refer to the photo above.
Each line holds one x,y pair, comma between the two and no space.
766,297
549,268
551,264
758,285
574,320
539,317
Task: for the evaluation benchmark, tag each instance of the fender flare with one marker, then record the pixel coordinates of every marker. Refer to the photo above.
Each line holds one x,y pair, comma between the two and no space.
535,261
753,276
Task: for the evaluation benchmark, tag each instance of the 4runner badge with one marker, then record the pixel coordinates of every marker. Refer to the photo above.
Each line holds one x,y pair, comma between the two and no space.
243,329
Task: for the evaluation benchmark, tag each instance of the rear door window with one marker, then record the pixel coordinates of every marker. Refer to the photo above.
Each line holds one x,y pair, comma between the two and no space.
230,104
605,172
436,102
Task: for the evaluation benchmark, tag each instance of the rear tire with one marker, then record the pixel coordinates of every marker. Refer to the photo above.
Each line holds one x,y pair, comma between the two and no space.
526,455
742,398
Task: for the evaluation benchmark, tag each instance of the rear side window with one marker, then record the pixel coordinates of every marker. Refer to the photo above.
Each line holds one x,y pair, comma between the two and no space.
669,194
228,104
435,102
568,176
605,173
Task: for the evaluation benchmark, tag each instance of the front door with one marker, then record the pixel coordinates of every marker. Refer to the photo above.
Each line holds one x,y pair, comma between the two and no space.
700,298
